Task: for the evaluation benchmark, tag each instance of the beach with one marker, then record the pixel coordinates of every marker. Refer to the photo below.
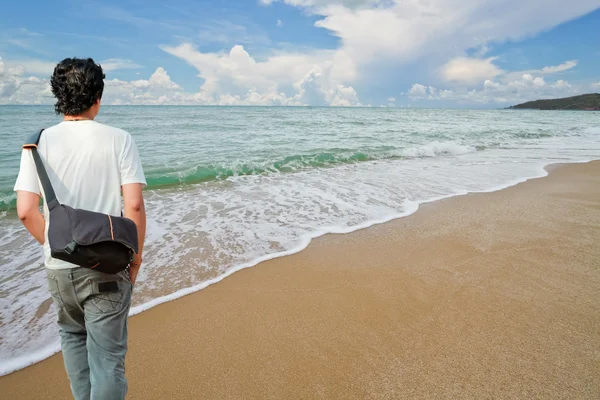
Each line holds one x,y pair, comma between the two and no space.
486,295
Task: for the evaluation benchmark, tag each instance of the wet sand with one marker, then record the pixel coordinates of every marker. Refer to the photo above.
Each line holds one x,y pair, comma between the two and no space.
492,295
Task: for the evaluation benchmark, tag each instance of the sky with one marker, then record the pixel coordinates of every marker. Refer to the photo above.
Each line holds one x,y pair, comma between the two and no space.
393,53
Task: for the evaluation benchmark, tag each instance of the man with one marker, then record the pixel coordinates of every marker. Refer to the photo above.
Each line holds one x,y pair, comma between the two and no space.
89,165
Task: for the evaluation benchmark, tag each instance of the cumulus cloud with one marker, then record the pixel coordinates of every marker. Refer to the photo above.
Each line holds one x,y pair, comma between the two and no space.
418,91
481,81
406,30
237,87
316,78
422,92
527,87
15,88
159,89
397,32
469,70
8,86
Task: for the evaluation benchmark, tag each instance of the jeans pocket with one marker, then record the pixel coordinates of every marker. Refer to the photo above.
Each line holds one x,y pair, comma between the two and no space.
107,295
55,292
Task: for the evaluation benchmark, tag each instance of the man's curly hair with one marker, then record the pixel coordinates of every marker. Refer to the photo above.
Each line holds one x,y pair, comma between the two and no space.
77,84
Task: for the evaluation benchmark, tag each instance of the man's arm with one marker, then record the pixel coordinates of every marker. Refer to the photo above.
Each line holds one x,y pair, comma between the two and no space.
133,201
28,210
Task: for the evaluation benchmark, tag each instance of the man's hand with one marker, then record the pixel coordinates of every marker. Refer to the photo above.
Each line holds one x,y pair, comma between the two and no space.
135,210
134,268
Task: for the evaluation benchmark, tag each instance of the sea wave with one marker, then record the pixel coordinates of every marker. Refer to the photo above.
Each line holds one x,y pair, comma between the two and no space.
299,162
165,177
168,176
8,200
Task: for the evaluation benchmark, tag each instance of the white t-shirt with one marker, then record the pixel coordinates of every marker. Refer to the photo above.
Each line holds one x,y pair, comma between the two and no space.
87,162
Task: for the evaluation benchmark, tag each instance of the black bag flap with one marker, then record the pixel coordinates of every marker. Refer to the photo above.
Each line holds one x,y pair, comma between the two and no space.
91,227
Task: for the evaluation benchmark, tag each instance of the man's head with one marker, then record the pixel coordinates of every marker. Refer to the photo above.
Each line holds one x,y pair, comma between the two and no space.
77,85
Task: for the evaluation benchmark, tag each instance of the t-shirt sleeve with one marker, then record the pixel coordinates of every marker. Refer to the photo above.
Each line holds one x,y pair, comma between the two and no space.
27,180
131,165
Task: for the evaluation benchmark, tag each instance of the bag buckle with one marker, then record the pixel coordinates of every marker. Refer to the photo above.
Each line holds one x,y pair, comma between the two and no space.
71,247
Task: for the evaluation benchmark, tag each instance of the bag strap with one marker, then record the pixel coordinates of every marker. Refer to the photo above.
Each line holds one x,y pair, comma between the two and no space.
50,196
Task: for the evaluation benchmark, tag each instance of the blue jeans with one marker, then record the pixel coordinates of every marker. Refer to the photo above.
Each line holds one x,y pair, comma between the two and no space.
92,316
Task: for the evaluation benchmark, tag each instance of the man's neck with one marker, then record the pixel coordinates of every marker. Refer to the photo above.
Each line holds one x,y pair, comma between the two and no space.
79,117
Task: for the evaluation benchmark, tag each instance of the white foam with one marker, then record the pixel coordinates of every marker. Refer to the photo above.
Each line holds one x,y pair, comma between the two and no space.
592,130
436,148
20,362
6,199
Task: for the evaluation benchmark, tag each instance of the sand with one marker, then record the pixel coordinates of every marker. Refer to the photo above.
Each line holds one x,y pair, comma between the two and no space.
492,295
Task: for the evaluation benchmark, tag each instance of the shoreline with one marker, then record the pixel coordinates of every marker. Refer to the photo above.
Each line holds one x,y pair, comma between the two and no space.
345,296
544,170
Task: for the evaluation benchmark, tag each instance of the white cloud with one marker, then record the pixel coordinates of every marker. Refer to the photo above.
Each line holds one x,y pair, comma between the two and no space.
394,32
490,85
279,23
159,89
469,70
32,67
15,88
559,68
341,95
8,87
405,30
525,88
159,79
317,78
477,80
567,65
312,88
422,92
16,71
391,99
113,64
562,84
417,91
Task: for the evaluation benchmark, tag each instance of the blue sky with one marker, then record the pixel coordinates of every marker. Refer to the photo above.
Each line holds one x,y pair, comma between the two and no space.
428,53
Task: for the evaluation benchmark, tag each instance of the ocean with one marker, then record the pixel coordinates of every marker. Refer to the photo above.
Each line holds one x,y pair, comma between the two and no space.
229,187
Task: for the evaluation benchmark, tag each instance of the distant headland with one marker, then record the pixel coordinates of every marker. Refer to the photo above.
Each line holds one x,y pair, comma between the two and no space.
586,102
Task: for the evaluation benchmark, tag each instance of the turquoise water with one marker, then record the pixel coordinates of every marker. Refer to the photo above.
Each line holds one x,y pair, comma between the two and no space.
230,186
